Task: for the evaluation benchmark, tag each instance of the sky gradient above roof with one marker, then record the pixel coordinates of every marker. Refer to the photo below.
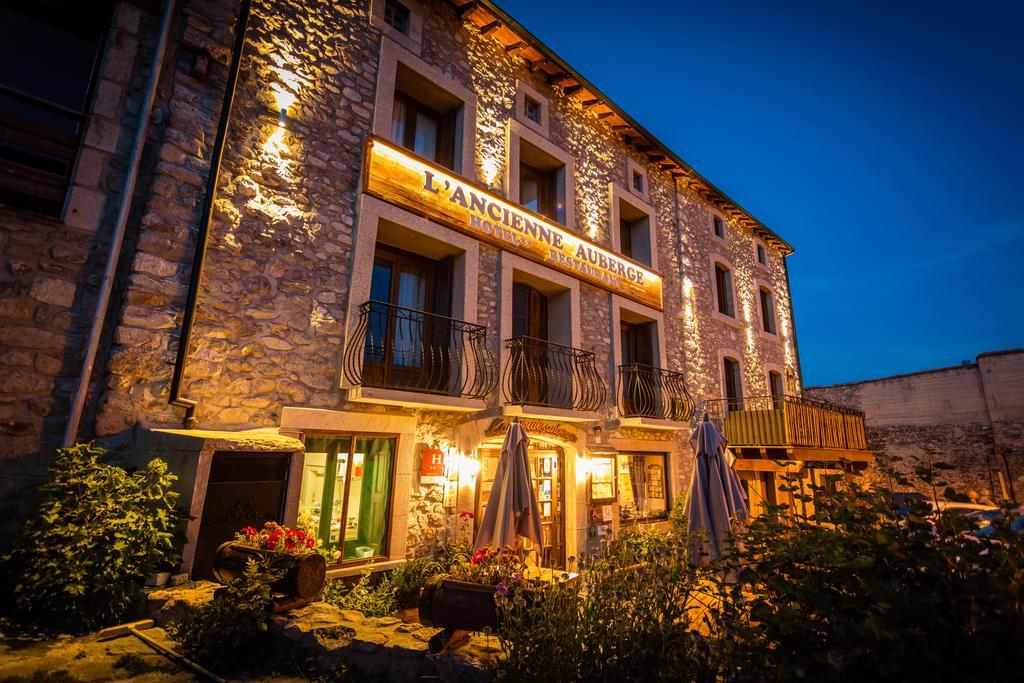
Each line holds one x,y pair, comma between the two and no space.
882,141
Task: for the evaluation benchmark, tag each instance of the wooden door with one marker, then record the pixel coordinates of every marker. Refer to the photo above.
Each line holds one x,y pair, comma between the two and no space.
530,361
641,393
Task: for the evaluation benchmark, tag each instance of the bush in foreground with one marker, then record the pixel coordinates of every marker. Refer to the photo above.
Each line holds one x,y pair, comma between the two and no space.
99,532
854,590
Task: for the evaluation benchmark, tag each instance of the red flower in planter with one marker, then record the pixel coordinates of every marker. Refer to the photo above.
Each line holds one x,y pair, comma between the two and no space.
481,556
466,514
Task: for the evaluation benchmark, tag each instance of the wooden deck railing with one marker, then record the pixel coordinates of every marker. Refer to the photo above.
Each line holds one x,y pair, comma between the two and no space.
790,421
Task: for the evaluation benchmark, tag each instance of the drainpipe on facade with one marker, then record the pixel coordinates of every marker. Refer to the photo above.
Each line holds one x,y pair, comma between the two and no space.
117,238
792,326
203,236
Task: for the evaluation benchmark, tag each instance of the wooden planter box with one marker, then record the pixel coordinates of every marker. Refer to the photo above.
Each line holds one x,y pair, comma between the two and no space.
304,578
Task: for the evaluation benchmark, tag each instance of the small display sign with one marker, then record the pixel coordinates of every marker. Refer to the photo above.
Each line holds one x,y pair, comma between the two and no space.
432,464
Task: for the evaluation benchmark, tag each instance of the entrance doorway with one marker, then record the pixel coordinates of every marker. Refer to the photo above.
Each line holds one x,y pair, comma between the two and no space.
547,468
244,489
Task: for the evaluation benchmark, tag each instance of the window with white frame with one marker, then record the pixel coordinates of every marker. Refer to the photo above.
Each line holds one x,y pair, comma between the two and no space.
732,383
718,225
767,310
723,290
399,20
531,108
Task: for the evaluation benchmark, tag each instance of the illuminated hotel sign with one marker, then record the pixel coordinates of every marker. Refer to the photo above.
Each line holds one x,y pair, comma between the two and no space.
401,178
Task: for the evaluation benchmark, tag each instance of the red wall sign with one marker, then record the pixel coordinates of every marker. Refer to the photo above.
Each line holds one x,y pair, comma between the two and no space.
432,464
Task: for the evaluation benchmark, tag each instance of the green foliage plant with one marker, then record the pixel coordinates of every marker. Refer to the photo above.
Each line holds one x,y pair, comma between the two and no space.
99,532
374,596
227,631
409,579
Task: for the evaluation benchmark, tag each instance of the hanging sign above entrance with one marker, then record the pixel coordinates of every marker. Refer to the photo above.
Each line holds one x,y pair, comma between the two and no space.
397,176
499,426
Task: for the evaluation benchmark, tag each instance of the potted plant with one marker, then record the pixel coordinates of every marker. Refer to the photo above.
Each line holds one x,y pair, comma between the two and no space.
292,550
465,598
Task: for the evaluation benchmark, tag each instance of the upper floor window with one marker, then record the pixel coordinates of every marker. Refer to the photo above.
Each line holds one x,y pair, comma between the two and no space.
634,233
775,389
49,60
424,117
767,310
638,182
723,288
719,228
541,182
532,109
398,16
733,384
762,257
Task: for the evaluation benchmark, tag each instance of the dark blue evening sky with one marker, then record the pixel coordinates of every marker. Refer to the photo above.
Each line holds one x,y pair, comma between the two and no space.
882,139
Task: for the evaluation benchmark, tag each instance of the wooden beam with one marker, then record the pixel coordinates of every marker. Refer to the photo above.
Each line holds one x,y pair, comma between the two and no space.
572,89
560,78
605,114
533,65
517,46
666,167
621,126
587,104
655,157
488,28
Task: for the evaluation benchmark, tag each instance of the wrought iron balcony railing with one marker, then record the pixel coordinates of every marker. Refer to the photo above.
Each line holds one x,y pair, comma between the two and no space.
543,373
646,391
402,348
788,421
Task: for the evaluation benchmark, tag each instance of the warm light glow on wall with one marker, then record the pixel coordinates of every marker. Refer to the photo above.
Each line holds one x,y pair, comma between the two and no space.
583,467
490,168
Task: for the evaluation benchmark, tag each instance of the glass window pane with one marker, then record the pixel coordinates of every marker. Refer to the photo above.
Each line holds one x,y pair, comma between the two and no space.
643,489
425,143
322,493
398,122
369,498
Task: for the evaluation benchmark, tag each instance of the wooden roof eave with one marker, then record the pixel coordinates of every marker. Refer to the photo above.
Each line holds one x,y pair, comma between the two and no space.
517,40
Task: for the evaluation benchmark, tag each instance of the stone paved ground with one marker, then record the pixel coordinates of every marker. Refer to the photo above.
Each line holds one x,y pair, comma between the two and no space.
346,640
66,658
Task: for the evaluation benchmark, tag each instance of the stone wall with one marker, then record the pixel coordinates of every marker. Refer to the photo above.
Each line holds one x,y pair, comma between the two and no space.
50,267
971,416
274,295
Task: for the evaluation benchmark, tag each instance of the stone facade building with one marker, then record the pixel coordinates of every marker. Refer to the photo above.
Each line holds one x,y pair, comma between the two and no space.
422,224
970,416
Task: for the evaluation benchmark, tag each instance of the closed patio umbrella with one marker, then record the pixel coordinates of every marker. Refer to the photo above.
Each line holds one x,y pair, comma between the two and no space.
512,506
716,495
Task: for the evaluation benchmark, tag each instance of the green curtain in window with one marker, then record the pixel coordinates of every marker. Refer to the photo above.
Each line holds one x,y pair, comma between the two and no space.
376,490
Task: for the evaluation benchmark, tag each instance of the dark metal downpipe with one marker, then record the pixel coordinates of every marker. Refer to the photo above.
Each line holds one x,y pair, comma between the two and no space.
202,239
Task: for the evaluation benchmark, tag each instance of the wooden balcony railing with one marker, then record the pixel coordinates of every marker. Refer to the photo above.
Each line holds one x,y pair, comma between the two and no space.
542,373
409,350
646,391
789,421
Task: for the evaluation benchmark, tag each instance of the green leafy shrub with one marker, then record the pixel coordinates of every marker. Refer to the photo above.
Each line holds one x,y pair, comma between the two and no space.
410,578
860,590
98,534
854,590
372,595
632,621
227,631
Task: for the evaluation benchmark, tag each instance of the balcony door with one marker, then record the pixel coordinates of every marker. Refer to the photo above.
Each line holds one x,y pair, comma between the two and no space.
529,363
641,394
406,338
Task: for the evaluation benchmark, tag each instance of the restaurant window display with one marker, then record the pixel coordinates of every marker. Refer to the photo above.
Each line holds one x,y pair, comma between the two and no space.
643,486
546,474
346,493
